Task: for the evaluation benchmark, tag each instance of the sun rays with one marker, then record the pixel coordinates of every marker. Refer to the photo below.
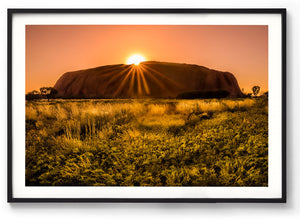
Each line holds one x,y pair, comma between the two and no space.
135,81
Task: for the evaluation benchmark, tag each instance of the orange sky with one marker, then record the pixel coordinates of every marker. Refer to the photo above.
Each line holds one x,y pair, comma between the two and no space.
52,50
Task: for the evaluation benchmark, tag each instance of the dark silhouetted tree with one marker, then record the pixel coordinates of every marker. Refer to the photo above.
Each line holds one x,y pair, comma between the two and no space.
33,95
48,92
53,93
255,90
35,92
45,90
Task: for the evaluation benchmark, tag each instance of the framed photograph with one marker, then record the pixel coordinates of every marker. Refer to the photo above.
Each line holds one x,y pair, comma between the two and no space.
147,105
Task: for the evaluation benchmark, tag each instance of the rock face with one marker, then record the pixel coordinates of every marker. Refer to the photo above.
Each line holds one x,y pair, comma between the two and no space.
148,79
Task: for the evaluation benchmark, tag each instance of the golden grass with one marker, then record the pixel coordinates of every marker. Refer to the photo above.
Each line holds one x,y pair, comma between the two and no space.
147,142
90,118
214,105
86,111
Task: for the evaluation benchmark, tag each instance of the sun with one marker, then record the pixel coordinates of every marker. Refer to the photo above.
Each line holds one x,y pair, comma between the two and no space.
135,59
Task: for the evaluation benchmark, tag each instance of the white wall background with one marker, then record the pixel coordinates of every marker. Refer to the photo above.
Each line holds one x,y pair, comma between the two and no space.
289,211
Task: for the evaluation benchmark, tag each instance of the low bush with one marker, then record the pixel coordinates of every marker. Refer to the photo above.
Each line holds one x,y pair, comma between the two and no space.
203,94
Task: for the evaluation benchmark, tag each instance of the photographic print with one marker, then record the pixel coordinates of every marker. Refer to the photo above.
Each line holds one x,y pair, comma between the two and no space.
145,106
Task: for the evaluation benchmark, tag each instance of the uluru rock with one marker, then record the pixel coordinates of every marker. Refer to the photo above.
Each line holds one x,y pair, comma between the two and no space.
148,79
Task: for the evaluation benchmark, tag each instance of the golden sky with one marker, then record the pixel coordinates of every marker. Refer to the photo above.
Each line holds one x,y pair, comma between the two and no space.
52,50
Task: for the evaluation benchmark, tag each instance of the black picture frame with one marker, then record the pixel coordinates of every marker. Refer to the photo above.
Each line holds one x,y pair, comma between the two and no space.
10,139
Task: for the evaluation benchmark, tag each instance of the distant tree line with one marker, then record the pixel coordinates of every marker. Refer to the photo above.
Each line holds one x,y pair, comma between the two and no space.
44,93
218,94
51,93
203,94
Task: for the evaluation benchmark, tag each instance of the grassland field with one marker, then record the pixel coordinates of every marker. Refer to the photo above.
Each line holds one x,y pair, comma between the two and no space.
147,142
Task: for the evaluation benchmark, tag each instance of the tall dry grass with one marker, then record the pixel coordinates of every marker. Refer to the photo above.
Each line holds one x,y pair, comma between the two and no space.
99,119
186,106
147,142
